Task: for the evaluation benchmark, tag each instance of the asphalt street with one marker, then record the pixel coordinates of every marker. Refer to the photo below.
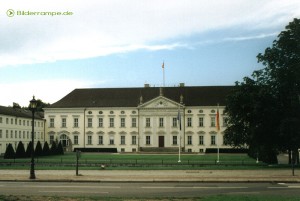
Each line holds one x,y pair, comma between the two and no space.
146,189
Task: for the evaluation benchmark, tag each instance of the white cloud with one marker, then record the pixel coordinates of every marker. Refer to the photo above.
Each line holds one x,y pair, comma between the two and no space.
99,28
46,90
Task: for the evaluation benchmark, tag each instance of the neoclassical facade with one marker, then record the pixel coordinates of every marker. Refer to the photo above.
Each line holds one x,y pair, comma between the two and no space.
16,126
139,119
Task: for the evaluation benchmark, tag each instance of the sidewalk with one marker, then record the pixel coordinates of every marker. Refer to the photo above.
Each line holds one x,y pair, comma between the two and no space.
154,175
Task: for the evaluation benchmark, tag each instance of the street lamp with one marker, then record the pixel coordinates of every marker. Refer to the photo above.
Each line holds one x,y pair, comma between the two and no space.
32,107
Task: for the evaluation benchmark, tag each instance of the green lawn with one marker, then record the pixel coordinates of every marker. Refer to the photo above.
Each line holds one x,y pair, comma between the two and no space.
123,161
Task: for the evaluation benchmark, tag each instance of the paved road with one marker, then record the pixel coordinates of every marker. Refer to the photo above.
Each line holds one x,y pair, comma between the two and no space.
137,189
277,175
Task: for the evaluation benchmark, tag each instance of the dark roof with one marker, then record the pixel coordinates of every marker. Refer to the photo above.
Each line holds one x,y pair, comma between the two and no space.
130,97
19,112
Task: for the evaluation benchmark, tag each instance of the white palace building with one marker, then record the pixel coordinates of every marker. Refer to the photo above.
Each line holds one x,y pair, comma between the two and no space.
139,119
125,120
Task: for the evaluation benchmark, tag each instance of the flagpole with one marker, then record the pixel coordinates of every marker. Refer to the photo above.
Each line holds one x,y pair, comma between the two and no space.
163,68
179,126
218,129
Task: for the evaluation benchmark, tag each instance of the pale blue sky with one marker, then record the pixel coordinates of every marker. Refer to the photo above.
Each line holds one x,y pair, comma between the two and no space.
124,43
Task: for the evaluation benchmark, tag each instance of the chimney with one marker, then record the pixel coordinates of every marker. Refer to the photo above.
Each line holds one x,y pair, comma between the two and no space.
146,85
181,84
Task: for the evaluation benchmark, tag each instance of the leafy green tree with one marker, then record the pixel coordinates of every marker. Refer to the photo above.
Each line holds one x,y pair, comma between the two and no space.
264,110
10,152
20,152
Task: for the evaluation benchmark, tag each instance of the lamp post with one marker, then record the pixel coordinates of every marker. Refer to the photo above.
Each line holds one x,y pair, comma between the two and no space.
32,107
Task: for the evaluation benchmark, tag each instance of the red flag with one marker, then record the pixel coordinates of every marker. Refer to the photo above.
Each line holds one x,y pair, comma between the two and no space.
218,119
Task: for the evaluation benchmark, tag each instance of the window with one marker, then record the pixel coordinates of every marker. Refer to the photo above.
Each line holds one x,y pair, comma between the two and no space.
23,122
24,135
148,122
133,140
133,122
111,140
0,120
189,122
27,134
63,122
90,122
100,139
7,122
100,122
89,140
122,139
174,122
148,140
0,133
20,134
190,142
20,122
111,122
122,122
201,122
11,121
75,122
51,138
75,139
213,121
189,150
174,140
213,140
7,134
11,134
16,134
16,122
161,122
201,140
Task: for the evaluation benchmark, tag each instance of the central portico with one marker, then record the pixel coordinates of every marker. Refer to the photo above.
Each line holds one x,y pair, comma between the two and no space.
159,122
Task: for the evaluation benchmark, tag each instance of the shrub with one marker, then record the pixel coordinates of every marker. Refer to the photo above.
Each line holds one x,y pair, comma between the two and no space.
46,150
53,150
20,153
60,149
38,149
29,149
10,152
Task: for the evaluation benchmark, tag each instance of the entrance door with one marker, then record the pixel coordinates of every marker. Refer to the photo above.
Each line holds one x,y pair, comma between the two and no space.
161,141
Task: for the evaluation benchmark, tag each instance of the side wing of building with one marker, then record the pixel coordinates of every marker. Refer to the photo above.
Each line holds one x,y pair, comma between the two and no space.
16,126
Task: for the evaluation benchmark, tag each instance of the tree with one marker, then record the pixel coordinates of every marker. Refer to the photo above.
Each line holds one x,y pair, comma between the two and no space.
40,105
9,152
53,149
60,149
263,110
46,150
29,149
38,149
20,152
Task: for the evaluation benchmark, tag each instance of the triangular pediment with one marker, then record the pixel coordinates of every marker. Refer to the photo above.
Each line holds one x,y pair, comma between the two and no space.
160,102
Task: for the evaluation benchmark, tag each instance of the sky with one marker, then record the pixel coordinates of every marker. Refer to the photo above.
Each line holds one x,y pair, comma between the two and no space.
49,48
